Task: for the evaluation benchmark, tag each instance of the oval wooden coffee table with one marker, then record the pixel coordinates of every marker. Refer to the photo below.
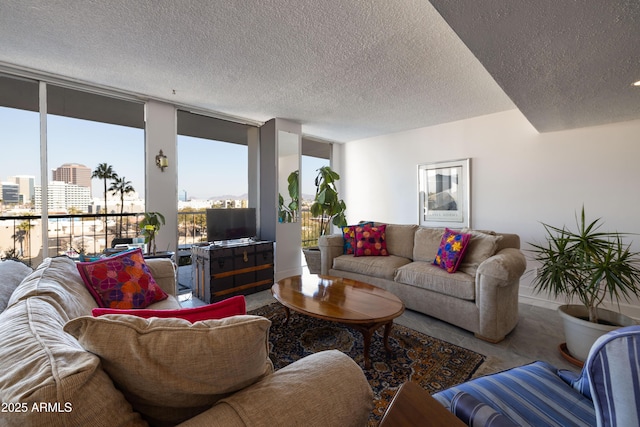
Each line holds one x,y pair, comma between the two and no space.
364,307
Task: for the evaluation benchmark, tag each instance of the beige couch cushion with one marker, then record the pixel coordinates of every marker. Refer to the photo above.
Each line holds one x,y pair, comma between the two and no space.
427,241
58,279
425,275
509,240
482,245
11,274
41,364
333,389
400,238
376,266
170,369
163,271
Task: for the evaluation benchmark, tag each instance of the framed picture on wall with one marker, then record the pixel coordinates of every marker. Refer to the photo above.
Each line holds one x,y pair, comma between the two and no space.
444,194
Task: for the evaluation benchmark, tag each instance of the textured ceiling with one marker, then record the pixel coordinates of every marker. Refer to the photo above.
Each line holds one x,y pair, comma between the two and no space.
345,70
565,64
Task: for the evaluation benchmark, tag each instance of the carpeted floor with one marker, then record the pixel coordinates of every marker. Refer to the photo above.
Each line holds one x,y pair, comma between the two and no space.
428,361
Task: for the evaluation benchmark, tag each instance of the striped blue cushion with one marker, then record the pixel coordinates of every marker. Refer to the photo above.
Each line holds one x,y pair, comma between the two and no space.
613,369
472,412
528,395
579,381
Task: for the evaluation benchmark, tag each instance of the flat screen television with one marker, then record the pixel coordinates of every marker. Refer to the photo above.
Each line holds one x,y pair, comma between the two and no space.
230,224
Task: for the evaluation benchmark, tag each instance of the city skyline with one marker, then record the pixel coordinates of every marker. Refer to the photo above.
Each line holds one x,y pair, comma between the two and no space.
206,169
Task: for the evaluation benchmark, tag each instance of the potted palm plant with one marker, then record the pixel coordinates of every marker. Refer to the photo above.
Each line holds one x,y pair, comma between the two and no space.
149,227
591,266
327,206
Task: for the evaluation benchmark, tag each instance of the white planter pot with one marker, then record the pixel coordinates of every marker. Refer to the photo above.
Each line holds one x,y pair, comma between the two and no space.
581,334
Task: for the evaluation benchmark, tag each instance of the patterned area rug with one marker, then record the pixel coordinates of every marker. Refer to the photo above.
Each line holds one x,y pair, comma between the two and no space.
428,361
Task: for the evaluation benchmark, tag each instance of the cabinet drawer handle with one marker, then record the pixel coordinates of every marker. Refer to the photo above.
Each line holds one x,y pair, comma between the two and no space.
245,257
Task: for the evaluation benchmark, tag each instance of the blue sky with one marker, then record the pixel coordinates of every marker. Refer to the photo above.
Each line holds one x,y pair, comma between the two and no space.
69,141
205,168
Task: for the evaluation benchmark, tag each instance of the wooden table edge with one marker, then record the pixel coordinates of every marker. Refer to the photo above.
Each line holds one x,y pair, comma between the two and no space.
412,406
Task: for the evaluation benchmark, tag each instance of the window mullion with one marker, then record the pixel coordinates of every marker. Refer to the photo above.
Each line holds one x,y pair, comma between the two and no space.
44,168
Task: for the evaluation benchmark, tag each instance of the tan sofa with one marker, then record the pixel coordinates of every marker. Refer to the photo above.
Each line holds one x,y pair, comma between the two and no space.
224,378
481,297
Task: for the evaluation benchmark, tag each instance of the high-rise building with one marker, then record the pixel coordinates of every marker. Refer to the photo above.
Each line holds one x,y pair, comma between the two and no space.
63,196
72,173
9,193
25,187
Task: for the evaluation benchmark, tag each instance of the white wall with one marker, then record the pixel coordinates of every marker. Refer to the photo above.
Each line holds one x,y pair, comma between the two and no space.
519,177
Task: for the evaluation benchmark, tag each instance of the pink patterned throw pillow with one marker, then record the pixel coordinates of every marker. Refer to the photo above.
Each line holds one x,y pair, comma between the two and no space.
349,236
451,250
371,241
121,281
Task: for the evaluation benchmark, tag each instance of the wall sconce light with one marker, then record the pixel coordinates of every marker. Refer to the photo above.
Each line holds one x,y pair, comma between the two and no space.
162,161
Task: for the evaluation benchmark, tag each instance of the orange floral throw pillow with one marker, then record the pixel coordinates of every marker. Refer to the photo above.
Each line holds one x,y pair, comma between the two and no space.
452,248
121,281
371,241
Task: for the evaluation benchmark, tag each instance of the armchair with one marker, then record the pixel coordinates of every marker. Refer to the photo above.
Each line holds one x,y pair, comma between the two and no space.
605,393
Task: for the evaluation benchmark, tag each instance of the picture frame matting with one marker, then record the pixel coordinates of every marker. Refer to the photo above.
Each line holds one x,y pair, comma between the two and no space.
444,194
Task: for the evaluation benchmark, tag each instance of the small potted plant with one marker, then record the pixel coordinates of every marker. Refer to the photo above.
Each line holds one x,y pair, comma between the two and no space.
328,206
590,265
149,227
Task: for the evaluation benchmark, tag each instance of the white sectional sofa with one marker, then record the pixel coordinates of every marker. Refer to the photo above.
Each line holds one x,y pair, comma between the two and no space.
47,377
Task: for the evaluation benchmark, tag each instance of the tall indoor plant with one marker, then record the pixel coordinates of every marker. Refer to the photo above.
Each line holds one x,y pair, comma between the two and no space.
327,204
329,207
591,266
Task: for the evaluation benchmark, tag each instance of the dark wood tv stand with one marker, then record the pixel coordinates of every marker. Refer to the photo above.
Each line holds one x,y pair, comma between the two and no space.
229,268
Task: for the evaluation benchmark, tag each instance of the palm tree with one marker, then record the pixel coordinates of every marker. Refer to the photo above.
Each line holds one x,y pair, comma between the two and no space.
121,186
22,235
104,172
19,237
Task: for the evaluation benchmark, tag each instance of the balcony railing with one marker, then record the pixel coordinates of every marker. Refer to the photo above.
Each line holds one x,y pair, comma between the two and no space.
310,230
71,234
192,228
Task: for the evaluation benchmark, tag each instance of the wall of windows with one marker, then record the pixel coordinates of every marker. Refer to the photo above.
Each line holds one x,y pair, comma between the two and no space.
213,171
49,156
54,136
211,174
